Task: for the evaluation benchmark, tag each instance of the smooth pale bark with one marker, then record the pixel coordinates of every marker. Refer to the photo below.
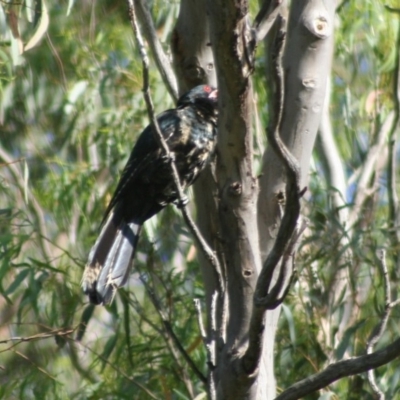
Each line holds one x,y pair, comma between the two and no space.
191,48
307,65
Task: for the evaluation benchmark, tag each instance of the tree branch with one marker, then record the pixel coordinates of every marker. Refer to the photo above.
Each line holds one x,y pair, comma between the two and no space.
266,18
162,61
38,367
197,306
331,159
307,63
44,335
279,291
209,342
339,370
284,245
381,327
369,169
337,186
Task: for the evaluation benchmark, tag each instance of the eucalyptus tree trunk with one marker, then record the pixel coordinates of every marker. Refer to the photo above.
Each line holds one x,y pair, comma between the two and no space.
238,213
307,64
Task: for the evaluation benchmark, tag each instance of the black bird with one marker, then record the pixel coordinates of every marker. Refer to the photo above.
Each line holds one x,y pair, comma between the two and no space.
146,186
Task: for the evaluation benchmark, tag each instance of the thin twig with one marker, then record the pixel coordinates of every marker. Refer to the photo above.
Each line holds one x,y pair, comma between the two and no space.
395,303
80,363
197,306
139,310
168,329
209,350
331,160
369,169
45,335
169,335
43,371
213,337
281,288
292,200
212,346
161,59
209,254
337,185
119,371
149,103
201,242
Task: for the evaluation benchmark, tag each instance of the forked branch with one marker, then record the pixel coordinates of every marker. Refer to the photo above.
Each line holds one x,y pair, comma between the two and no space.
281,255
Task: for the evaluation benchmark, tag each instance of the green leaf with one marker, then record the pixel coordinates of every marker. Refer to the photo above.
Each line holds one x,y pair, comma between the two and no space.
108,349
18,280
45,265
180,395
347,338
289,318
86,316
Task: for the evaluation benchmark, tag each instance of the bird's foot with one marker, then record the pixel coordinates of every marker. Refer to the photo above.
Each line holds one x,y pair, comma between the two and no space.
180,203
170,157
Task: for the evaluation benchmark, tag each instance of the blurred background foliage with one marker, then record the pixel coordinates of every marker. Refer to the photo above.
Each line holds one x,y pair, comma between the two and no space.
70,110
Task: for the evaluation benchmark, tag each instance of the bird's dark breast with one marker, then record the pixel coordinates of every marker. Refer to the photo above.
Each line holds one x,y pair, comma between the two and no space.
194,147
149,184
191,147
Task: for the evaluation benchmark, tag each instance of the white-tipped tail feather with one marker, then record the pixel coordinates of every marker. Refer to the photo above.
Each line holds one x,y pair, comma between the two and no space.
110,259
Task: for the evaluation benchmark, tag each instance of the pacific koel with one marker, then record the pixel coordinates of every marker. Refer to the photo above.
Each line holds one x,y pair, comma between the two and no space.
146,186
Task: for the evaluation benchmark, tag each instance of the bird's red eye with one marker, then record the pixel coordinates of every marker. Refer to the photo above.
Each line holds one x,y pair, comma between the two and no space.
207,89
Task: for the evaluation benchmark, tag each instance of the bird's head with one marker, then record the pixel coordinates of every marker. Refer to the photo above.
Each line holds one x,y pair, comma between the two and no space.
199,94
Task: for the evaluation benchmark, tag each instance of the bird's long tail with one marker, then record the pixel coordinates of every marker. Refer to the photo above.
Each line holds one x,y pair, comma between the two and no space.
110,259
